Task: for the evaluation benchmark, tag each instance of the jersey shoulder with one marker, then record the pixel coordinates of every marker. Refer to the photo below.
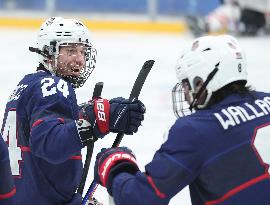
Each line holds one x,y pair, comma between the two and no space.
42,86
42,91
194,134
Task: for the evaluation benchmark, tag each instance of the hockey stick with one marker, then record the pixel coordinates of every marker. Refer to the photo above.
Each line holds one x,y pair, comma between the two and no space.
96,93
137,87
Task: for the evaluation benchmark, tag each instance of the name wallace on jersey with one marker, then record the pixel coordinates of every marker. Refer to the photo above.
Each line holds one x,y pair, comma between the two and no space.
234,115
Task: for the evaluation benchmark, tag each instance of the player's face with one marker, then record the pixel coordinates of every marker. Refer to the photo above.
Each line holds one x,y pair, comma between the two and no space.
71,60
189,95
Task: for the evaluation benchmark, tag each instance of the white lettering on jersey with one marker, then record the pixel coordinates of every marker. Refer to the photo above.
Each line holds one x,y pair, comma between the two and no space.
264,106
10,136
48,87
17,92
235,115
225,122
249,117
257,114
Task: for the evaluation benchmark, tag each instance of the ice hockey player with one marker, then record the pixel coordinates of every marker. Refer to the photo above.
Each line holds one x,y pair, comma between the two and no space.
223,19
7,188
42,116
239,17
219,145
254,17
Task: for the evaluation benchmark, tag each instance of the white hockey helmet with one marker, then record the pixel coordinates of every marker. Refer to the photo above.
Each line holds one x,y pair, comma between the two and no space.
216,61
58,31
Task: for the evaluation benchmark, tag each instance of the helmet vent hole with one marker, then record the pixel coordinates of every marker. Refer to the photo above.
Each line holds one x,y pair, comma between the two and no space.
207,49
61,24
232,45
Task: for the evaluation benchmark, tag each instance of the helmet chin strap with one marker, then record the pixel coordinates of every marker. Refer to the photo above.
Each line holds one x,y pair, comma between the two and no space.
38,51
48,67
50,52
199,93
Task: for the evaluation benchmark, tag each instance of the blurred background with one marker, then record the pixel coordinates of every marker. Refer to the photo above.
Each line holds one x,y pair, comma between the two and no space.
240,17
138,15
126,33
152,8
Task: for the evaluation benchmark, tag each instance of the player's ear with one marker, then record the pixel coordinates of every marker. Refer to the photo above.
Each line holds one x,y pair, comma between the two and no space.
49,61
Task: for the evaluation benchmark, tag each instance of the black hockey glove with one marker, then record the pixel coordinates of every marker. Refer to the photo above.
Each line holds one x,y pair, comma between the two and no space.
116,115
126,116
113,161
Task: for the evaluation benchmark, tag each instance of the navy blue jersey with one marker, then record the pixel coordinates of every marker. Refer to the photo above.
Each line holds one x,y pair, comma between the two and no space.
222,153
7,188
44,143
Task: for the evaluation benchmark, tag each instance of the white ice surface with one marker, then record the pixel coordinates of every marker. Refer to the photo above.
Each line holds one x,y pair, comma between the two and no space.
120,57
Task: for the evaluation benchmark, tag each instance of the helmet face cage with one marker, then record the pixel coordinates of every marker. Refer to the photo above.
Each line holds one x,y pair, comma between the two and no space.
57,33
89,64
181,98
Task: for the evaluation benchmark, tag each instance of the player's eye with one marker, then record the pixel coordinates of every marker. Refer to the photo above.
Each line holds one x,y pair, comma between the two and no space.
71,51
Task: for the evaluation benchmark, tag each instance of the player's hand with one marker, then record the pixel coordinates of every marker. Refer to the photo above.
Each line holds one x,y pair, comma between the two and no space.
126,115
97,113
112,161
116,115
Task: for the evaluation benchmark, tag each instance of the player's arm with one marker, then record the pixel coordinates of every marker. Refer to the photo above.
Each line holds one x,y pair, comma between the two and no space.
56,130
119,173
7,188
169,172
51,107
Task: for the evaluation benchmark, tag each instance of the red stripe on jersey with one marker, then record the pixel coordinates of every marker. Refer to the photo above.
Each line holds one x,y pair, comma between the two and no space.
36,123
76,157
158,193
25,149
62,120
8,195
238,189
